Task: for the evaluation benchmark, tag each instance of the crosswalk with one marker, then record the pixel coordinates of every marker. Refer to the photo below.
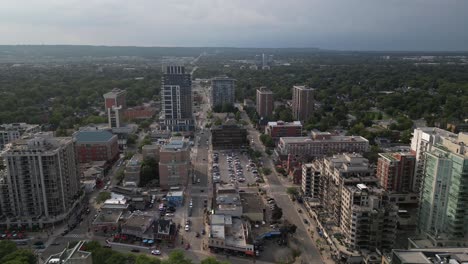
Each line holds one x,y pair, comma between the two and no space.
75,236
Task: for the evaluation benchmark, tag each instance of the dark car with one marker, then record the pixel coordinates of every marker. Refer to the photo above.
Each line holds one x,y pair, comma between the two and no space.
203,232
306,222
135,250
107,246
197,235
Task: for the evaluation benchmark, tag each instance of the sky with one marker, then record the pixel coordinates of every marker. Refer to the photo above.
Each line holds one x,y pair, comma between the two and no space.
327,24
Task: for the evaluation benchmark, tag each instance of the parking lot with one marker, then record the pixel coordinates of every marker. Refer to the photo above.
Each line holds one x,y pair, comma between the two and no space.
233,167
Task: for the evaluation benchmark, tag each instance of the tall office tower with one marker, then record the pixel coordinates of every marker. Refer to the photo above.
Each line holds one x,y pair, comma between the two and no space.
395,171
443,209
222,91
302,103
424,138
176,98
40,184
264,102
115,103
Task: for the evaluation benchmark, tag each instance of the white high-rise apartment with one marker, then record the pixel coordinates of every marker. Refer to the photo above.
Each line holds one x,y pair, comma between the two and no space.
40,184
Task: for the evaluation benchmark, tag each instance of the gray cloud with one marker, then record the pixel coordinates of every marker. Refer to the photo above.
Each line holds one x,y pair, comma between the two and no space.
333,24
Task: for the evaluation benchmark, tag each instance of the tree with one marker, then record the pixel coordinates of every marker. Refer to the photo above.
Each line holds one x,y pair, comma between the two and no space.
212,260
22,256
266,171
145,124
6,247
149,171
267,141
145,141
238,116
102,196
177,257
277,213
292,191
132,139
218,122
143,259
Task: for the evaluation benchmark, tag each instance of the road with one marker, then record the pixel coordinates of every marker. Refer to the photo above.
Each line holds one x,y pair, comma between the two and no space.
277,189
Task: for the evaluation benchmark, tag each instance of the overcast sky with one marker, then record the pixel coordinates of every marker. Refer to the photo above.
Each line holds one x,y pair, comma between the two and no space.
328,24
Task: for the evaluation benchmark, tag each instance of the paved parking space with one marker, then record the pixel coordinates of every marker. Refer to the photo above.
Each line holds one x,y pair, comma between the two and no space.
236,171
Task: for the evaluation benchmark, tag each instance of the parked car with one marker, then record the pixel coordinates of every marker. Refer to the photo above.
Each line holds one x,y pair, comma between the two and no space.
187,228
156,252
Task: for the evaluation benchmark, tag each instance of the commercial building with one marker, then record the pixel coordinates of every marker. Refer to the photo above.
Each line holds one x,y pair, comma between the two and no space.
302,103
395,171
176,98
174,163
319,144
139,225
368,220
230,234
40,183
228,200
165,231
132,171
97,145
115,104
253,207
443,208
14,131
230,135
72,255
279,129
264,102
222,91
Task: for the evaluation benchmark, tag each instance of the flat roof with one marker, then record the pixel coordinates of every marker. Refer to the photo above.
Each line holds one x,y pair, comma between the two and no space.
251,203
412,257
139,219
331,139
282,123
93,136
108,216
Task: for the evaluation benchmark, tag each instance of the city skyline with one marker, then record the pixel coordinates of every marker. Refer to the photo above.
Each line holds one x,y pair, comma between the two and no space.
337,25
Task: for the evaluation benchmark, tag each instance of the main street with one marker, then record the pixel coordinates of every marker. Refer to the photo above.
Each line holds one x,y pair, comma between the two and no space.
277,189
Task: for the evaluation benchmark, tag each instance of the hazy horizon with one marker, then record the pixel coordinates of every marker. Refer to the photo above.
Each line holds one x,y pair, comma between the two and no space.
369,25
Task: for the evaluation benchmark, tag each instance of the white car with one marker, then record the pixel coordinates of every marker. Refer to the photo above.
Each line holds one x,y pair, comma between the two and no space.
156,252
187,228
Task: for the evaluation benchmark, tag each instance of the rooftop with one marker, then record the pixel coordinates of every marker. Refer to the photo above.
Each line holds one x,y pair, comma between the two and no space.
282,123
115,92
302,87
251,203
175,143
108,216
93,136
39,142
139,219
306,140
